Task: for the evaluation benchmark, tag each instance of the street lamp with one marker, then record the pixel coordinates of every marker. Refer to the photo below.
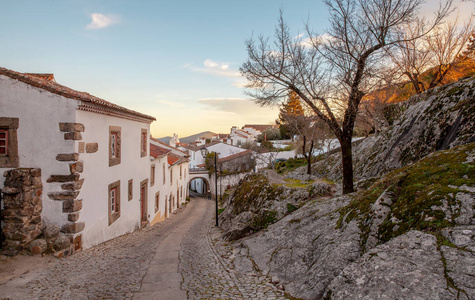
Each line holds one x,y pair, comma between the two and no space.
204,153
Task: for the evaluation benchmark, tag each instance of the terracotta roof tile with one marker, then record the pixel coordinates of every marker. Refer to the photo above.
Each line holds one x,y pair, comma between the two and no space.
234,156
259,127
92,103
157,151
168,146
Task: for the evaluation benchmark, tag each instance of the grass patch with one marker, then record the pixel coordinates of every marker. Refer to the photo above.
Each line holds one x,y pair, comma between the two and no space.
296,183
289,165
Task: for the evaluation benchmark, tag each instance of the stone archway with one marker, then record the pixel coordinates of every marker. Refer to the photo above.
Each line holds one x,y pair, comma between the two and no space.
203,190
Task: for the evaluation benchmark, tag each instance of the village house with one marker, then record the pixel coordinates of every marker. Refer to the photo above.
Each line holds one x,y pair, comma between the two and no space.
90,160
168,180
256,130
221,148
239,137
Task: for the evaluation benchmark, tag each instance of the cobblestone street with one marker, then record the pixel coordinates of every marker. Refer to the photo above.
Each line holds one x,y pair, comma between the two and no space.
182,256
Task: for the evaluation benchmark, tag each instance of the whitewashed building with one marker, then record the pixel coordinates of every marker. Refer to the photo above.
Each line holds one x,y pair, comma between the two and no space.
93,155
169,177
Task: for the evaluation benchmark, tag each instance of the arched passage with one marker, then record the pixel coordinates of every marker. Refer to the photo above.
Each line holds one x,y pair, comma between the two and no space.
199,185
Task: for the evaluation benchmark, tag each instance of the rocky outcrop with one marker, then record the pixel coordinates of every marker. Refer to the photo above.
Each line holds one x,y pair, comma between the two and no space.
257,203
438,119
409,233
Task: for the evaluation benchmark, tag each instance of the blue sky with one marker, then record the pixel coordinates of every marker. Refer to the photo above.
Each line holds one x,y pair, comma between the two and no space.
175,60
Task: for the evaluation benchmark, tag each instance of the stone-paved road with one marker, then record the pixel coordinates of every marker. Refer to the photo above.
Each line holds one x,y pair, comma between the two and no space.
130,267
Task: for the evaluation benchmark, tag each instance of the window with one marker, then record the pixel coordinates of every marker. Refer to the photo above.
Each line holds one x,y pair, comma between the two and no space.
157,201
131,189
9,143
164,175
4,142
152,175
143,143
114,201
114,145
171,176
181,172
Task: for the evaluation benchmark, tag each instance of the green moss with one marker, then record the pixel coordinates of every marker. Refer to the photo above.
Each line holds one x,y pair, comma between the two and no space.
295,221
263,220
416,192
291,208
253,189
220,210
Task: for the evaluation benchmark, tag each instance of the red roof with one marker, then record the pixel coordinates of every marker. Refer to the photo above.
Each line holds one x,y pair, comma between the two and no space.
157,151
168,146
93,103
231,157
259,127
172,159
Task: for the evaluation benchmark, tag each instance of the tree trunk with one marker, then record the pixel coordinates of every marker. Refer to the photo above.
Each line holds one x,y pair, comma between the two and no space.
309,160
347,164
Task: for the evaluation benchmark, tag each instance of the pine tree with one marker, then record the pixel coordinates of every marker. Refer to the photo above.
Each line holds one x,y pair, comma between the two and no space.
292,107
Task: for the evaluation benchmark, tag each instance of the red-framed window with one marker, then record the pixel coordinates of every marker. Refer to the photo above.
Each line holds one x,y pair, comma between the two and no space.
114,146
3,142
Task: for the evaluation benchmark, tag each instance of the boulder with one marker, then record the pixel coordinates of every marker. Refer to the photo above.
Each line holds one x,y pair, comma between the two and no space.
38,246
62,242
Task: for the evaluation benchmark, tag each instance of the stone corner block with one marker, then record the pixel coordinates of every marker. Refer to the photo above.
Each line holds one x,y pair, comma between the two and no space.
70,127
92,147
67,157
65,195
70,206
75,136
73,227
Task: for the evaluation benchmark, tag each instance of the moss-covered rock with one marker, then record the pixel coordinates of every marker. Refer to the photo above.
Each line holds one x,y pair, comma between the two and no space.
256,203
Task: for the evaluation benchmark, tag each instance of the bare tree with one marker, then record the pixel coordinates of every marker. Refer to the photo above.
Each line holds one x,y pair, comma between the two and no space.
435,54
340,66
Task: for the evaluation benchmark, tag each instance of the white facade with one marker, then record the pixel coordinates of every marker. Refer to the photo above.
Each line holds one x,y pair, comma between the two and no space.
98,175
169,189
223,150
76,170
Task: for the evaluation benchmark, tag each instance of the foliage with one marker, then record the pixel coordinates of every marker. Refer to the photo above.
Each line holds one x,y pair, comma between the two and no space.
290,111
270,134
289,165
267,145
209,162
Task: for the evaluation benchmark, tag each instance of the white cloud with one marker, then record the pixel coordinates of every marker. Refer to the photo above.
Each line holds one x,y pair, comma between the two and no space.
99,21
171,104
230,105
217,69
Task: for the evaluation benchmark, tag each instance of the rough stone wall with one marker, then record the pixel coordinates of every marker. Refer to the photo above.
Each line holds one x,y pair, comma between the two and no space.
22,207
71,183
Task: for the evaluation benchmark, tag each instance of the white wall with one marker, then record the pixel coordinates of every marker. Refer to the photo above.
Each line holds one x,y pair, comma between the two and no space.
98,175
39,137
159,186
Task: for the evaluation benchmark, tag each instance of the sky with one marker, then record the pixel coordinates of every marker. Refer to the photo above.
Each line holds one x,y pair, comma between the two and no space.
175,60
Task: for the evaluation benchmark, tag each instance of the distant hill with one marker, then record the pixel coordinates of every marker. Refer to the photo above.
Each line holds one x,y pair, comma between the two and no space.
165,139
188,139
192,138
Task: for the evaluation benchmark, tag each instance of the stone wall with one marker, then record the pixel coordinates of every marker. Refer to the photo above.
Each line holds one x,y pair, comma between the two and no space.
22,207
